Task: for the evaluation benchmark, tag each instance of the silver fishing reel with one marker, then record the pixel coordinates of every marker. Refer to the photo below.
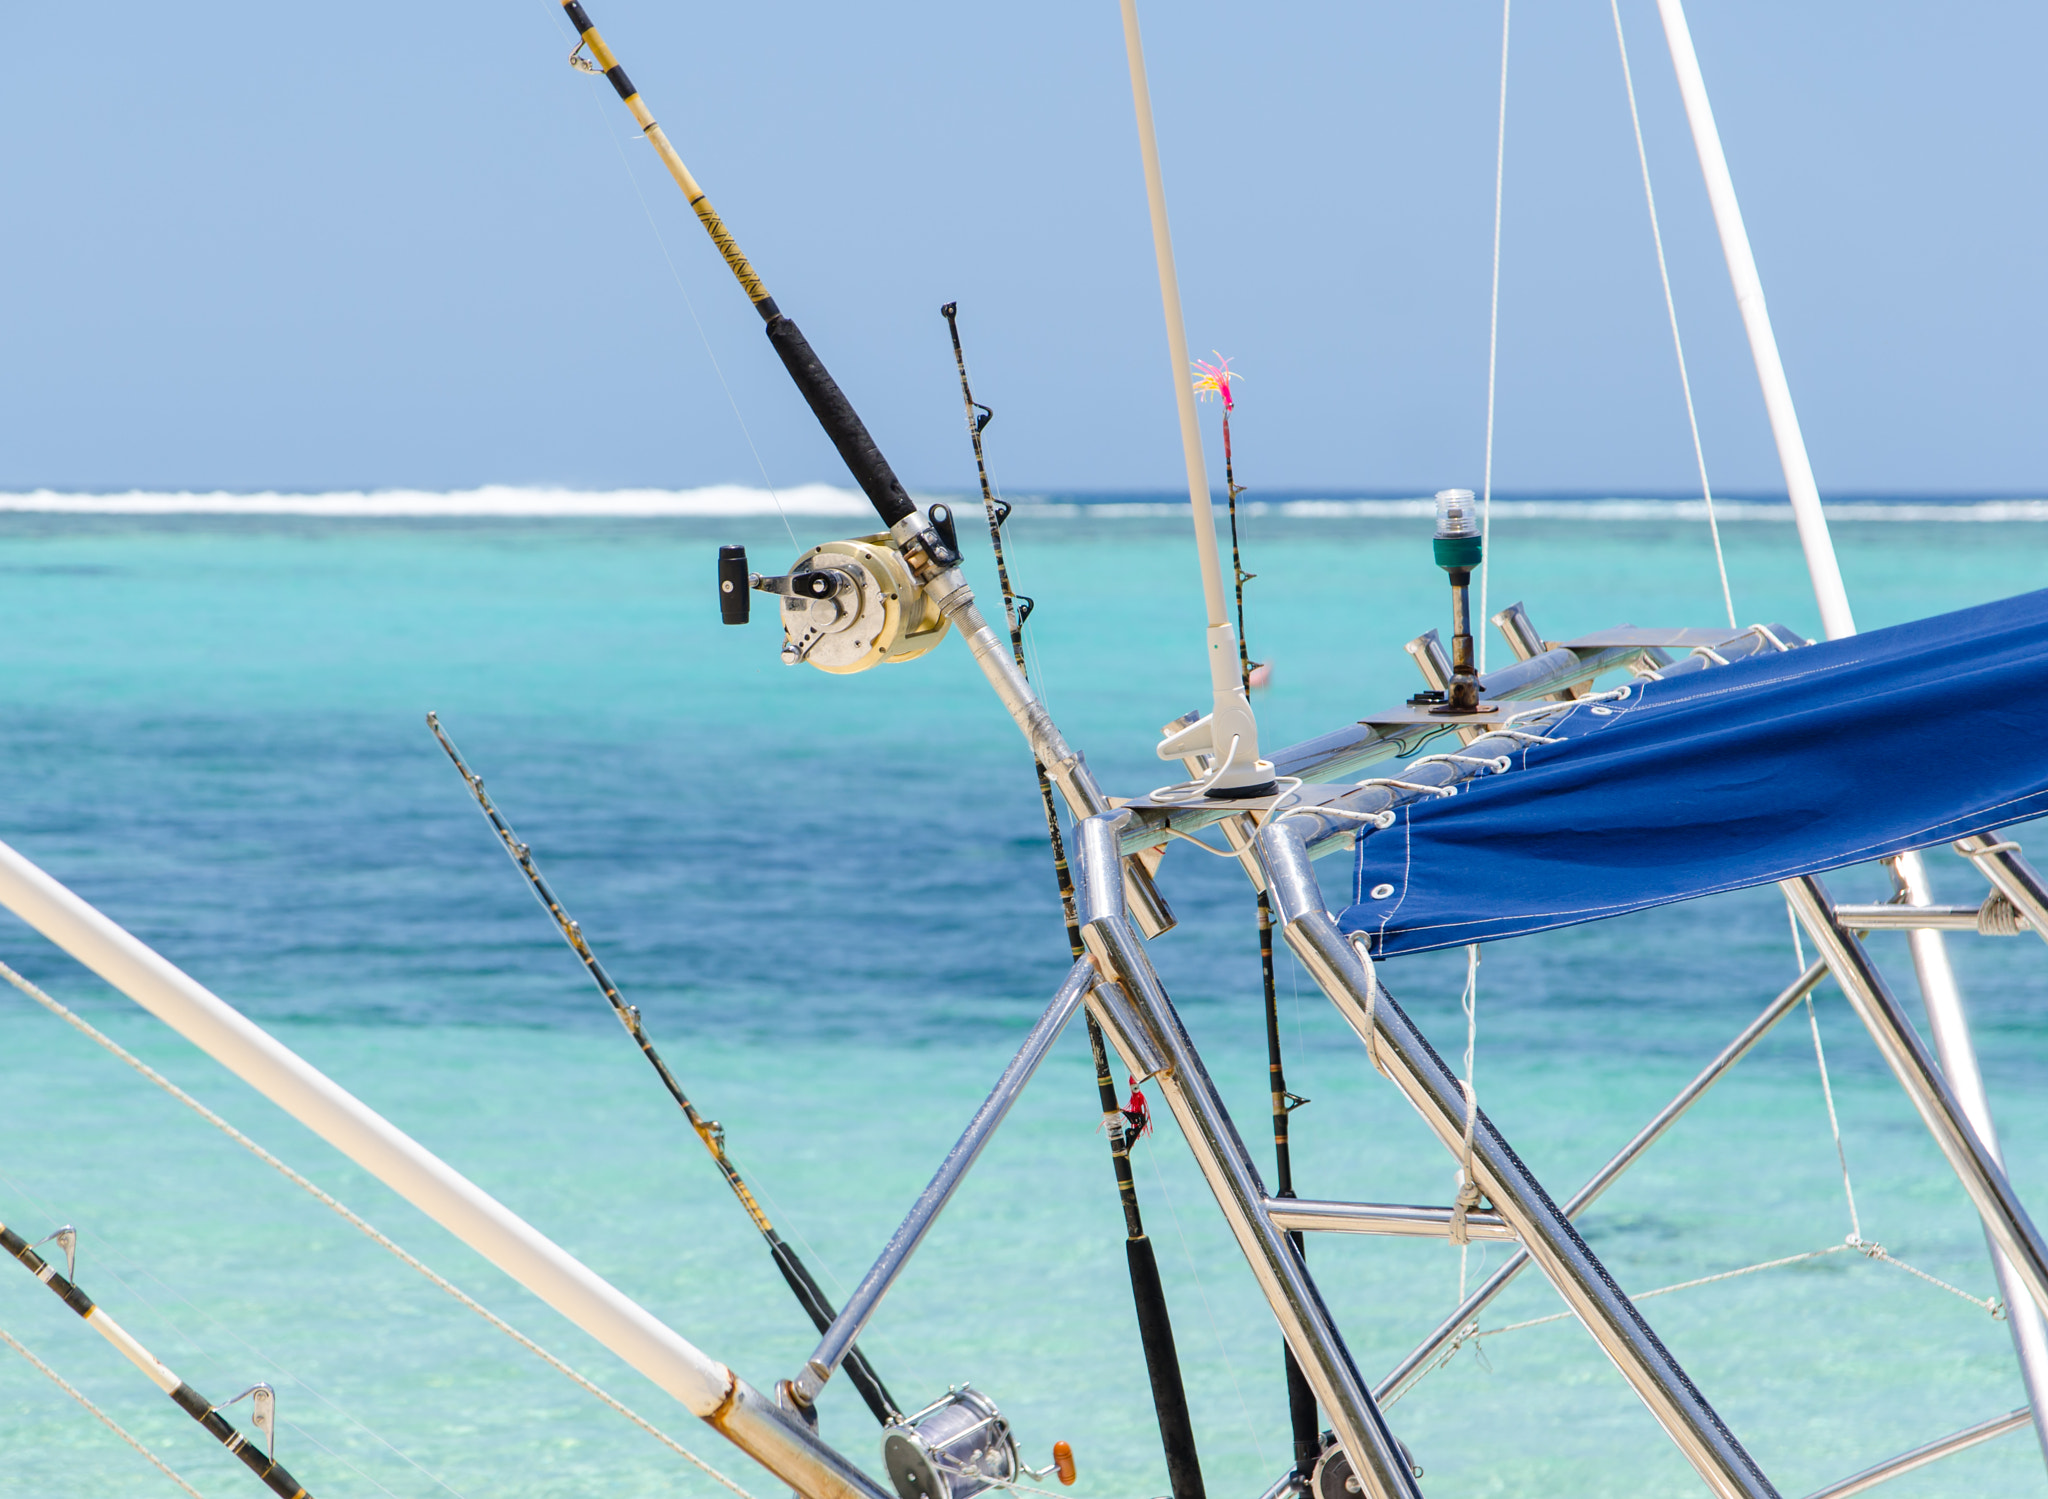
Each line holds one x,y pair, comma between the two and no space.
1333,1477
955,1447
845,606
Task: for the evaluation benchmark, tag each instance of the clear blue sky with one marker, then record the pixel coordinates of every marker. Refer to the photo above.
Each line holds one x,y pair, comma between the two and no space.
330,246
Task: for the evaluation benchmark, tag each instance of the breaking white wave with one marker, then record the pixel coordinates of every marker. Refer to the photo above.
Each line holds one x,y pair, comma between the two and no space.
491,500
825,500
1591,510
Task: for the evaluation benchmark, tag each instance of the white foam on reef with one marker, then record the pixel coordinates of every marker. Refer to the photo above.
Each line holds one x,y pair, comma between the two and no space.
1979,511
825,500
492,500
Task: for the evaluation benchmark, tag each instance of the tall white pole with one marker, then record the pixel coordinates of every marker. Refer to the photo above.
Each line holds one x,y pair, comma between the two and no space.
1938,987
1826,573
705,1387
1229,734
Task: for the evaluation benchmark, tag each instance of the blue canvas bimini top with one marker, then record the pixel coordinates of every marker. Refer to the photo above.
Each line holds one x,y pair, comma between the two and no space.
1772,767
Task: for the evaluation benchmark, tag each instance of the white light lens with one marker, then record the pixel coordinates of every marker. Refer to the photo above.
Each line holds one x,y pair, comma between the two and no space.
1456,514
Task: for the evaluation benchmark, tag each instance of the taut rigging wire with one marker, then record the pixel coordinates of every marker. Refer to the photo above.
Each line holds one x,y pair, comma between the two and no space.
356,1221
1671,310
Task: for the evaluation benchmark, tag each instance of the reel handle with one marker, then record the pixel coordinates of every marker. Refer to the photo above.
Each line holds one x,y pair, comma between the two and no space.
733,600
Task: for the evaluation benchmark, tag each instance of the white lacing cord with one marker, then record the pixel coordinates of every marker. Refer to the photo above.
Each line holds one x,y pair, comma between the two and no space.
1490,764
1671,309
355,1221
1401,785
1188,791
104,1419
1612,695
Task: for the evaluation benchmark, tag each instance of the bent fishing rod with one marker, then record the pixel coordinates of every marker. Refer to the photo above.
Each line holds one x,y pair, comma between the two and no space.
263,1399
932,556
794,1271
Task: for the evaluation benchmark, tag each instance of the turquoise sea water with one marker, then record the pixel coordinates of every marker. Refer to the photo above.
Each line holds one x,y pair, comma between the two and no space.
831,899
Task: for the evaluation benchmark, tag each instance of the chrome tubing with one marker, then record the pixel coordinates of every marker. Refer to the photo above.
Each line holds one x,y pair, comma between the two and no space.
1309,1215
1943,998
1064,766
2012,876
1433,1089
1225,1164
867,1296
1933,1099
1356,747
1416,1363
1897,917
1920,1457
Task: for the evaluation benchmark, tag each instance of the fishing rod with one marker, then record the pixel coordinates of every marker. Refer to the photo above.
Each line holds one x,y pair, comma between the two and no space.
794,1271
1148,1294
1215,379
262,1398
925,543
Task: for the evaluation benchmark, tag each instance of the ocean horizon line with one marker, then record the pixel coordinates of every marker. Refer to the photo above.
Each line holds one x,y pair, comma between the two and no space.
734,501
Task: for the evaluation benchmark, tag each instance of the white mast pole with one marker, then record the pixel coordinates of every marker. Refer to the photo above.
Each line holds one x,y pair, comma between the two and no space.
1938,988
1826,573
706,1388
1241,771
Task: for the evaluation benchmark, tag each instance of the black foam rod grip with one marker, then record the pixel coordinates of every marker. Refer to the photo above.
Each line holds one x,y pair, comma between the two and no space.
733,595
841,422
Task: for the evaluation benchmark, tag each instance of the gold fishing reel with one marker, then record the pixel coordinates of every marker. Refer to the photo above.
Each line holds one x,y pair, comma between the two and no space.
845,606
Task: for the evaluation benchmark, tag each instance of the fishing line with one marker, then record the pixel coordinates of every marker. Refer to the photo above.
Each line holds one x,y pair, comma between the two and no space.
104,1419
1671,309
810,1297
210,1361
1500,163
703,337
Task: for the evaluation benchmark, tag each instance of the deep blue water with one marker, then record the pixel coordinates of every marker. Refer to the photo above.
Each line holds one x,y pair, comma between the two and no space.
832,900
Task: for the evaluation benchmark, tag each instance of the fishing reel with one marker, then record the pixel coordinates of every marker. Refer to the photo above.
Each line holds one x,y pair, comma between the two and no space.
1332,1476
958,1446
845,606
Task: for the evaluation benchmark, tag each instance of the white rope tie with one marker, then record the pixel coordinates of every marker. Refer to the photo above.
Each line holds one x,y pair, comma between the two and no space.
1999,917
1372,1005
104,1419
1671,310
1500,162
355,1221
1468,1183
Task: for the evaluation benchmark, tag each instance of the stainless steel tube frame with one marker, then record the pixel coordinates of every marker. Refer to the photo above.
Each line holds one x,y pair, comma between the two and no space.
1516,1195
2012,876
1920,1457
1895,917
867,1296
1065,766
1935,1101
705,1387
1411,1368
1943,998
1297,1306
1308,1215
